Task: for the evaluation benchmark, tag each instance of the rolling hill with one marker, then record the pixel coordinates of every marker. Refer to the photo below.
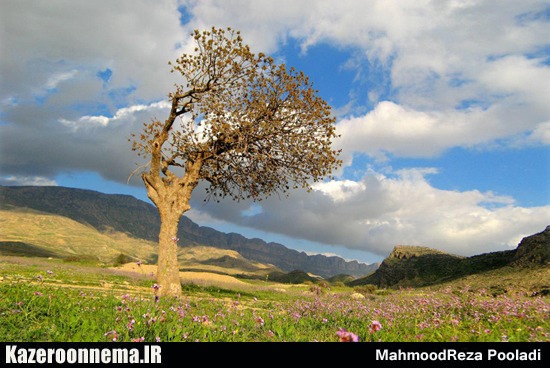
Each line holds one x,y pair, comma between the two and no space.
127,216
39,234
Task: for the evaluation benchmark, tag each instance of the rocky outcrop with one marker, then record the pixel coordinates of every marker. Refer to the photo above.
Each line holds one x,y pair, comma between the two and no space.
533,250
411,265
421,266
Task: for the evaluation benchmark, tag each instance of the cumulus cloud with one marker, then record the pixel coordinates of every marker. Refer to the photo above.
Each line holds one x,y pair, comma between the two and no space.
462,73
385,209
44,44
391,128
468,72
92,143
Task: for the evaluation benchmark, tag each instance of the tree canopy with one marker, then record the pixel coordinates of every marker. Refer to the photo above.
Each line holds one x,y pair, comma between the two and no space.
246,125
253,126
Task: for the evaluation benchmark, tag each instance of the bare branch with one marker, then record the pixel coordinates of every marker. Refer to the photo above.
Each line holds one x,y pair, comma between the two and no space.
140,167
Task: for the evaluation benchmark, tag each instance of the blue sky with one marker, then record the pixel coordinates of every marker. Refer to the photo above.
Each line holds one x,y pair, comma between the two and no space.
443,110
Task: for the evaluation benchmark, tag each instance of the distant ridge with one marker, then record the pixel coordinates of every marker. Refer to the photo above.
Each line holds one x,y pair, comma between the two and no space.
124,213
422,266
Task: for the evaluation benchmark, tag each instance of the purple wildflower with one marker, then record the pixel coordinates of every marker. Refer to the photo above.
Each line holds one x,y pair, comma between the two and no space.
346,336
112,335
375,326
139,263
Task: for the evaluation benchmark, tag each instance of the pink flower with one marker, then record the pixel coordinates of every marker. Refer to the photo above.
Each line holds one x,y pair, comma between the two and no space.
346,336
375,326
112,335
139,339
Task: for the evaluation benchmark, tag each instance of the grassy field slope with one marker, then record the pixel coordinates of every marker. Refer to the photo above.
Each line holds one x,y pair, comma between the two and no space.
31,233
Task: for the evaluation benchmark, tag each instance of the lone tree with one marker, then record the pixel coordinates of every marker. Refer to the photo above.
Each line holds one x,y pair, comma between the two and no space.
245,125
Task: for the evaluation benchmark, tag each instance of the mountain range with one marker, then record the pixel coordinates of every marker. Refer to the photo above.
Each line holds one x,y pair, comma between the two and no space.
140,220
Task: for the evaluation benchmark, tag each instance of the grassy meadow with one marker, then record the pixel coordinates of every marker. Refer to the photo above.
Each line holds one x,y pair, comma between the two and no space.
45,299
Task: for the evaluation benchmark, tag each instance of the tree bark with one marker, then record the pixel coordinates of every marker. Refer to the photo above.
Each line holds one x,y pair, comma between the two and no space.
171,195
167,266
172,202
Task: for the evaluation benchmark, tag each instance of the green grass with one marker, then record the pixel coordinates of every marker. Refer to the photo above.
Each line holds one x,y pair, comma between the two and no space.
51,300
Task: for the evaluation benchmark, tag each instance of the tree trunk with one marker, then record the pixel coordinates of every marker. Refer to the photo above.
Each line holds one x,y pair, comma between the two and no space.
171,196
167,267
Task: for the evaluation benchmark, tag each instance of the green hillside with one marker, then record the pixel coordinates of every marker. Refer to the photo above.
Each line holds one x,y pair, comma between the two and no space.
37,234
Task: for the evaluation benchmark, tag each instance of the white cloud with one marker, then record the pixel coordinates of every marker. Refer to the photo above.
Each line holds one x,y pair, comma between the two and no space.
541,133
88,143
459,70
341,190
386,209
44,44
27,180
391,128
125,115
519,78
438,55
54,80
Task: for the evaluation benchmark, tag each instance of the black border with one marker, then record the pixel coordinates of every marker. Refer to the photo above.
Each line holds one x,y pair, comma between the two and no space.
323,354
